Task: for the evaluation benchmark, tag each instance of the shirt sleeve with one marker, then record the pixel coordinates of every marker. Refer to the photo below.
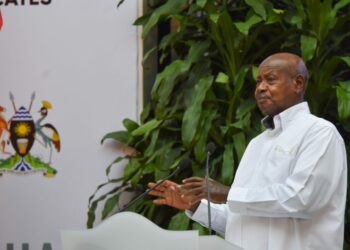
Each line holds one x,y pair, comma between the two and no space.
318,169
218,215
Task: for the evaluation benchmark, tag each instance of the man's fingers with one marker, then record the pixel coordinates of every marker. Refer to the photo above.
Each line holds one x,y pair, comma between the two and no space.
157,193
151,184
159,188
195,191
164,184
168,183
160,202
192,185
193,179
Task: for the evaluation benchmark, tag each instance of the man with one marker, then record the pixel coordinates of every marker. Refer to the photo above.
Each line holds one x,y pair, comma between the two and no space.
289,190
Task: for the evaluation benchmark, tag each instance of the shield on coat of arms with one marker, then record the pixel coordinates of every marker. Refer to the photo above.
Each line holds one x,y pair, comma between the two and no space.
22,131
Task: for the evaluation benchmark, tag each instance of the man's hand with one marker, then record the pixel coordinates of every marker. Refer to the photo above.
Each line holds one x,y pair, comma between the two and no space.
173,195
196,187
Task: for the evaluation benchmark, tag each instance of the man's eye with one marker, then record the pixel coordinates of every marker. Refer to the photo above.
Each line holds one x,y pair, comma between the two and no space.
270,80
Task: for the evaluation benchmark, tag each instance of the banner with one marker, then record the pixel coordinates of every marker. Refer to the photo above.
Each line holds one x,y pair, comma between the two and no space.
68,76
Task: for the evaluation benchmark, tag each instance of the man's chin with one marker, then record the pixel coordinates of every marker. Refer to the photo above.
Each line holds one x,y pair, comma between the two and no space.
268,111
264,109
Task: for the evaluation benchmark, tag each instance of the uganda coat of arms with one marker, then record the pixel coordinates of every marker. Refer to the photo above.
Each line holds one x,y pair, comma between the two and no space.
21,131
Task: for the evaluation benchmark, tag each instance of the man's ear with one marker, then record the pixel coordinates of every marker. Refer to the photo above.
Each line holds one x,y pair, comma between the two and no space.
299,84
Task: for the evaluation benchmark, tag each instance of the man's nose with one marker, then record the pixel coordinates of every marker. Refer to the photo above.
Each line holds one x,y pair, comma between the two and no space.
261,87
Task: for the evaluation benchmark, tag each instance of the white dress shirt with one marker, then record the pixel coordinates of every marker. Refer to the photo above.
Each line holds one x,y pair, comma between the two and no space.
289,191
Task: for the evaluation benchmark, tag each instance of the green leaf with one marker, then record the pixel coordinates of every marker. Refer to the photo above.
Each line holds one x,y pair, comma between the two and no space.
254,72
313,9
201,3
122,136
244,27
136,178
296,20
131,168
201,230
149,168
326,72
227,165
130,125
222,78
101,186
179,221
161,174
166,80
343,96
168,40
227,40
163,145
274,16
145,112
192,114
278,11
300,8
91,215
93,206
308,47
110,204
327,21
239,144
164,161
206,124
120,3
340,4
199,70
258,7
214,17
150,149
242,123
169,8
108,169
197,50
142,20
245,107
346,59
146,128
239,79
148,53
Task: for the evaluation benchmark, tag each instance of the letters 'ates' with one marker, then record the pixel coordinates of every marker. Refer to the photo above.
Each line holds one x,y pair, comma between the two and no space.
24,2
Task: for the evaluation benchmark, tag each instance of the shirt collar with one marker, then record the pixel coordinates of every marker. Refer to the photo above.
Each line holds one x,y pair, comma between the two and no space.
281,120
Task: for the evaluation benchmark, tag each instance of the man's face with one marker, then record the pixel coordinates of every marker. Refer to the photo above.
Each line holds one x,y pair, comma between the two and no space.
275,87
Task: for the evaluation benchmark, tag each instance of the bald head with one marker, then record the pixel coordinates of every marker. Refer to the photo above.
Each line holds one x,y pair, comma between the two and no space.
292,63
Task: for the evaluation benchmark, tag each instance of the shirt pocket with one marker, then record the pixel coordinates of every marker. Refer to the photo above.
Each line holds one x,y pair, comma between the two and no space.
278,167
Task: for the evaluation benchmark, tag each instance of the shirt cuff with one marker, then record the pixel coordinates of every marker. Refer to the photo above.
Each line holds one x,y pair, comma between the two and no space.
200,213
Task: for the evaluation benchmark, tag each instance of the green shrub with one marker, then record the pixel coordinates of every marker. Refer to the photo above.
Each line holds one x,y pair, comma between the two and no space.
205,92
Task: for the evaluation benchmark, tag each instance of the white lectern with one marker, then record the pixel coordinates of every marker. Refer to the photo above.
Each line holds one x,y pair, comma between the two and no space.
131,231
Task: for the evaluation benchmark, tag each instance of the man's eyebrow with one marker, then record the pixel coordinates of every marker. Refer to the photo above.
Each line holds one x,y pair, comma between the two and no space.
270,72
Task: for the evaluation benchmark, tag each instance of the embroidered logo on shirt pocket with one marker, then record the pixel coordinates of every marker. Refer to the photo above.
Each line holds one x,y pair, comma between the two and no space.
278,164
279,150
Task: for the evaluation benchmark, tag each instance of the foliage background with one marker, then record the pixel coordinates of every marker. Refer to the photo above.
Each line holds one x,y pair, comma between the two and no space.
208,52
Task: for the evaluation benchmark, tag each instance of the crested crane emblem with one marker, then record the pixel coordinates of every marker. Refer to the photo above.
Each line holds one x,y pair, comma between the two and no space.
22,131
